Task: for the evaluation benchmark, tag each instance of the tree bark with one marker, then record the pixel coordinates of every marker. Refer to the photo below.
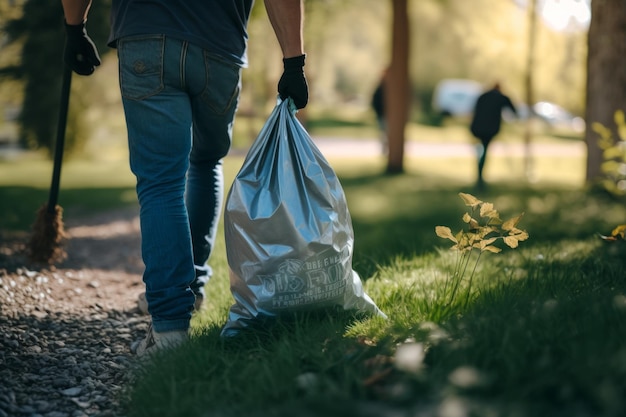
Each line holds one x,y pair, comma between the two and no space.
529,87
397,87
606,75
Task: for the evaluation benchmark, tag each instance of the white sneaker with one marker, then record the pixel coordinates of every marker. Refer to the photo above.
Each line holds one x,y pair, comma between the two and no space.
155,341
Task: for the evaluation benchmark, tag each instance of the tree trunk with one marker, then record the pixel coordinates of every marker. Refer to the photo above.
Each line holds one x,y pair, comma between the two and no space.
606,75
529,87
397,87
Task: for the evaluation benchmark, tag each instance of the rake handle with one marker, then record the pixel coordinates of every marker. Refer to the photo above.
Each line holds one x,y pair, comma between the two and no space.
60,139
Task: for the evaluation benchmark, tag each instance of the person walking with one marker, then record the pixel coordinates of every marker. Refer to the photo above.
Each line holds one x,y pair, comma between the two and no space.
180,77
378,105
486,123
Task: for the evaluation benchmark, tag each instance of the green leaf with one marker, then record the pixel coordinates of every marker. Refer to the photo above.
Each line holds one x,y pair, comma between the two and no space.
470,200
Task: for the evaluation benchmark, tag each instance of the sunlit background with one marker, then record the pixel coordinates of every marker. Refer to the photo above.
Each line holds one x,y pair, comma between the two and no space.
348,47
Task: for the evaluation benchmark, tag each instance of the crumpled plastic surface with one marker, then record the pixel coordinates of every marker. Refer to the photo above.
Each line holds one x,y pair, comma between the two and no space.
288,232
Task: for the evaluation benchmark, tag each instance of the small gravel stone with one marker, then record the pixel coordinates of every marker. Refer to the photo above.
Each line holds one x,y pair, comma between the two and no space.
72,392
65,330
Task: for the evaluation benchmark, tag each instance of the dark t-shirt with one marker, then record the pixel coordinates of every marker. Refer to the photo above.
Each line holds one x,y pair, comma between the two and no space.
219,26
488,114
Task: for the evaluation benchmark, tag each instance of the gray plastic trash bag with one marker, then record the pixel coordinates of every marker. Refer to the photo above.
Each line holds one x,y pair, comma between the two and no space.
288,232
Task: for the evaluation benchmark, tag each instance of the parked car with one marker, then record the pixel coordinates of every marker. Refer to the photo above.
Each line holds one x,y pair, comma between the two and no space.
557,117
554,116
456,97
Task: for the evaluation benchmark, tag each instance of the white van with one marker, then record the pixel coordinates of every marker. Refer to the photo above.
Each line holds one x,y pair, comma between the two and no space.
456,97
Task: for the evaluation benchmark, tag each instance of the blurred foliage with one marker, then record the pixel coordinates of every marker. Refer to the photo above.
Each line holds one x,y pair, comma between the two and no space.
39,33
613,148
347,45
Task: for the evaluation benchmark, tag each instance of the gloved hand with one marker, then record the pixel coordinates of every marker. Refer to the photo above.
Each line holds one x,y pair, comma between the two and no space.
293,82
80,53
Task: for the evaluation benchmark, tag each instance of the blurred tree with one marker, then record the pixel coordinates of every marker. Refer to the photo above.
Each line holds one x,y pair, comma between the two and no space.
10,90
606,75
41,34
529,86
397,87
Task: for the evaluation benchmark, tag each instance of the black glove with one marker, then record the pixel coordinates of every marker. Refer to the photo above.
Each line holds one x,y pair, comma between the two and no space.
80,53
293,83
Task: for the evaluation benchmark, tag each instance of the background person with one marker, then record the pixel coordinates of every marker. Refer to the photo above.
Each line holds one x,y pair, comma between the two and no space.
486,123
180,77
378,105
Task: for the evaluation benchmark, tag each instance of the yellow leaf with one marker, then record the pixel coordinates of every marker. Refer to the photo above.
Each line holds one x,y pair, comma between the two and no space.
619,118
473,237
620,121
467,218
613,152
610,166
605,143
473,224
601,130
511,241
464,242
445,232
619,231
485,230
511,223
487,210
520,235
495,220
470,200
486,242
493,249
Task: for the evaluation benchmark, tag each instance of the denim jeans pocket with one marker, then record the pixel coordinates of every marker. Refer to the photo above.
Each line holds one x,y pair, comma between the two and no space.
223,84
141,66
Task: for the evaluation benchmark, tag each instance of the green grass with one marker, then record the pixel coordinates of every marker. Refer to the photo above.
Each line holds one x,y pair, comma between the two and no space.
542,334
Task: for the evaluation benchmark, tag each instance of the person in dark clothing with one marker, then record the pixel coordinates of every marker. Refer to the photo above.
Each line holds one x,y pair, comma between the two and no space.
486,123
378,104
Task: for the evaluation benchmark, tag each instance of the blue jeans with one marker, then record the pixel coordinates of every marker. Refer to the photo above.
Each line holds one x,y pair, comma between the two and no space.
180,103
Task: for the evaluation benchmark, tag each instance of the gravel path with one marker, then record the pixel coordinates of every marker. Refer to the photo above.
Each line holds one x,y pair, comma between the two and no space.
65,332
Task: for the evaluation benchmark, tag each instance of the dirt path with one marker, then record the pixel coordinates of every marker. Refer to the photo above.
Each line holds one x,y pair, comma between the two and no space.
65,332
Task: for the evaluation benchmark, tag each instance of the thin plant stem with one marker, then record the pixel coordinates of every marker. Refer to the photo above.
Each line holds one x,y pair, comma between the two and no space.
469,285
464,261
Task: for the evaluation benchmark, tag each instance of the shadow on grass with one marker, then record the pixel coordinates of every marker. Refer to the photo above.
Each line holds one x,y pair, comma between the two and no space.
19,205
551,342
546,341
551,215
103,216
219,375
